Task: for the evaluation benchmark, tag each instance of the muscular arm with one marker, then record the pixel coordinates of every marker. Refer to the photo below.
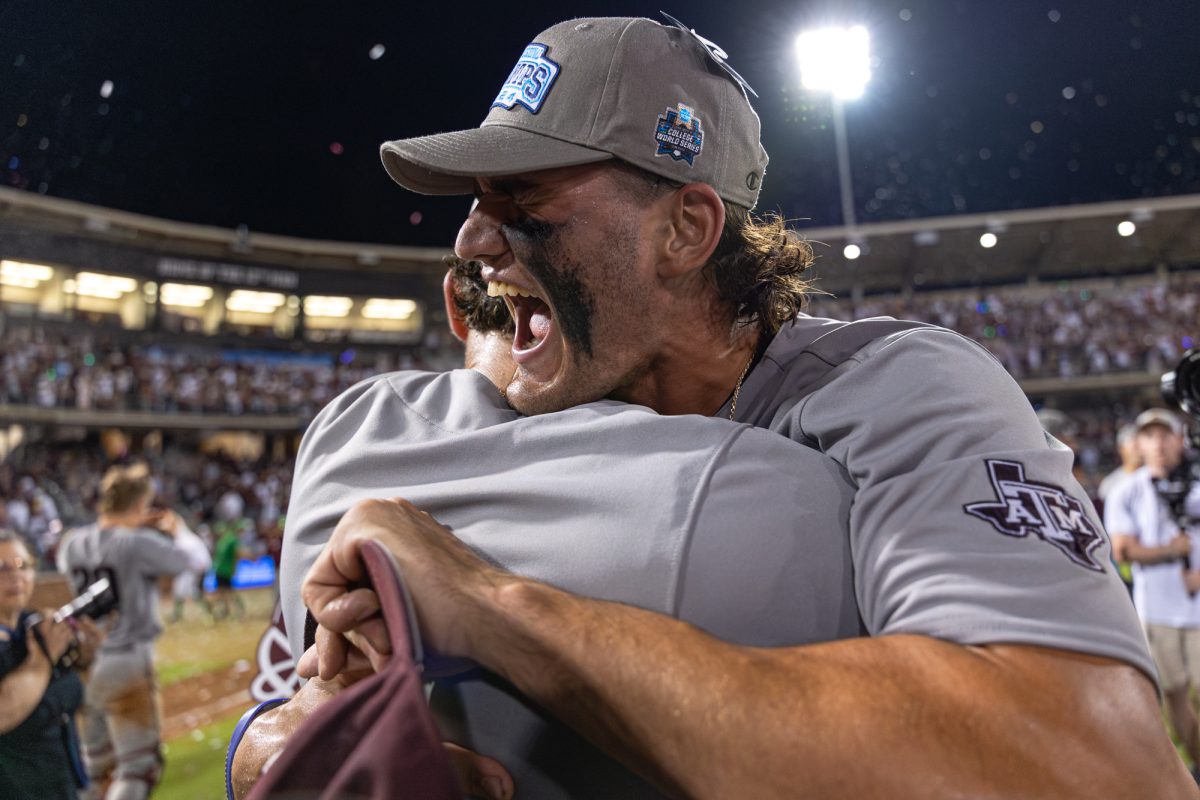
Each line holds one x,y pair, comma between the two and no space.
905,716
909,716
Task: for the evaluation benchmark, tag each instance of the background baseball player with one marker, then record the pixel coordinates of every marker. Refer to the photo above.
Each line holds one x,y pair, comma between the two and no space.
132,546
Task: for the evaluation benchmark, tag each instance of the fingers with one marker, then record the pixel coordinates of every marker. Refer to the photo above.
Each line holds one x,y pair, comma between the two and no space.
56,635
479,775
307,665
371,640
331,654
346,611
335,658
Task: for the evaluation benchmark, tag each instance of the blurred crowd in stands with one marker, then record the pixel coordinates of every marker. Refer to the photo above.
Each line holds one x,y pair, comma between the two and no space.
82,370
48,489
1062,331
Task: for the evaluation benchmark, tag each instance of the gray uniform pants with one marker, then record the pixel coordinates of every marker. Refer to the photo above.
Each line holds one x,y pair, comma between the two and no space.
121,725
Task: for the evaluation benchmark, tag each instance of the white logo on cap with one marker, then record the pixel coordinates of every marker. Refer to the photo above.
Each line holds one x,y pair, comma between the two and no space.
530,80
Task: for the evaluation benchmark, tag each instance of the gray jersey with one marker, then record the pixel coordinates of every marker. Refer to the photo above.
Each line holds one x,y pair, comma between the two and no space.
967,524
736,530
132,560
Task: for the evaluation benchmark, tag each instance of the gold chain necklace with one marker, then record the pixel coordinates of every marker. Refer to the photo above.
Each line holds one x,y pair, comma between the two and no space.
737,387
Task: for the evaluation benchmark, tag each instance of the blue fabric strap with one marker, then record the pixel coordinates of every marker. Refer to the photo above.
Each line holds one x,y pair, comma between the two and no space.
238,732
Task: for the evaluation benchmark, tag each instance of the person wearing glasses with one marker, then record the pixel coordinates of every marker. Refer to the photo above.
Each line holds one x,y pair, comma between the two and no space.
40,689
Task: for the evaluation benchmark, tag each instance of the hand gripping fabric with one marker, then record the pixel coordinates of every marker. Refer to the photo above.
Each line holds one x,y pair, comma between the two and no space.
375,740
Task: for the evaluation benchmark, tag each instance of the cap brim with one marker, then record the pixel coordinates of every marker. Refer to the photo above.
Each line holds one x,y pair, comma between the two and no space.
448,163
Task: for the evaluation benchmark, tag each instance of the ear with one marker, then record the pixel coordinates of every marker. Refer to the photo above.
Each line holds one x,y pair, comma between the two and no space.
458,325
696,217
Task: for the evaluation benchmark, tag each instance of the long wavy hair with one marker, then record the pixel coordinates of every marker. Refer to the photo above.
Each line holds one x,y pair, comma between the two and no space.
758,269
758,266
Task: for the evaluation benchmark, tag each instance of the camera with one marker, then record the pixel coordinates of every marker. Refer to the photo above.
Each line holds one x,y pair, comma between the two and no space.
1181,388
94,602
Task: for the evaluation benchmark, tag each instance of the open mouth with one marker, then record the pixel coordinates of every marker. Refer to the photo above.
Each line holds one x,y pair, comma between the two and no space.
533,318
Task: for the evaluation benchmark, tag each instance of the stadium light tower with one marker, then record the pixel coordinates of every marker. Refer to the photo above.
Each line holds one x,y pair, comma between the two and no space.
837,61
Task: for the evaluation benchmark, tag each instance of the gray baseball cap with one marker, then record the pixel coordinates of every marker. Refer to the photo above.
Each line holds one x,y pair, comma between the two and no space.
588,90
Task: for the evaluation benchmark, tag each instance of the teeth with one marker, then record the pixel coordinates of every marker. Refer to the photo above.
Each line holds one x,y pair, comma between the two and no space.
500,289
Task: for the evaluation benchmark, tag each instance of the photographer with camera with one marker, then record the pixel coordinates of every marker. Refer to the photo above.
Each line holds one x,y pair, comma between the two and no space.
40,690
131,545
1152,518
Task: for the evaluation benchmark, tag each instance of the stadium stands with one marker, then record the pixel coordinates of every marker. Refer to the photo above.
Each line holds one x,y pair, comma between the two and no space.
119,321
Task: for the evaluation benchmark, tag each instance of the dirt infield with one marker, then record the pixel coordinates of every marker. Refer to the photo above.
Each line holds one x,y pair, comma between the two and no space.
202,699
206,666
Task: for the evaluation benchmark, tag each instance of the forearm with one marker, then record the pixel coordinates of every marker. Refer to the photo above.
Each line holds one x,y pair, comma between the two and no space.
1135,552
21,689
901,716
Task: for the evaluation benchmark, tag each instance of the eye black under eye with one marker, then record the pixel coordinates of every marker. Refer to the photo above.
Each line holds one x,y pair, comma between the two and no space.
528,229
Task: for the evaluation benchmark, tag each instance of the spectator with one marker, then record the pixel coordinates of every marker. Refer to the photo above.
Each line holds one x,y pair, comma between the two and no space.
1148,532
1131,459
39,689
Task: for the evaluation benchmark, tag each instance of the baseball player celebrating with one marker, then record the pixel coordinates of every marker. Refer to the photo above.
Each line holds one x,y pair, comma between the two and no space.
615,173
130,545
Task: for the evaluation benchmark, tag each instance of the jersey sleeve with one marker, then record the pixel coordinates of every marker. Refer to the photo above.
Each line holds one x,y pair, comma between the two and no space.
199,559
967,524
156,554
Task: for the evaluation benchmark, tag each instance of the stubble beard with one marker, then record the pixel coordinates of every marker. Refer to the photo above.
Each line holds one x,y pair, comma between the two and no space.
591,341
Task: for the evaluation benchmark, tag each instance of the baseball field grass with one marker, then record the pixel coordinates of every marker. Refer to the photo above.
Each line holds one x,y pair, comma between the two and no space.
203,668
196,763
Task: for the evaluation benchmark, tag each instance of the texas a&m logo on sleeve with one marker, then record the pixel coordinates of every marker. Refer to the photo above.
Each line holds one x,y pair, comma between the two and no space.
1023,507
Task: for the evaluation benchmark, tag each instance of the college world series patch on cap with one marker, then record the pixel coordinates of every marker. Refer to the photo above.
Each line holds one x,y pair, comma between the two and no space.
678,134
530,80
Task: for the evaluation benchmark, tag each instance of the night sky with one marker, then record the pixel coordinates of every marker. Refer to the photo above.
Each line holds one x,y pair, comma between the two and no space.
270,114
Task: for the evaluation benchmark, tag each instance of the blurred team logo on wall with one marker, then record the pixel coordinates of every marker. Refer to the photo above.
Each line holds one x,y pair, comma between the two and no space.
678,134
1026,507
530,80
276,667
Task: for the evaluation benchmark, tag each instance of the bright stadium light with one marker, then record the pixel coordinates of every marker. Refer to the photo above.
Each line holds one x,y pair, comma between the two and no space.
254,302
1126,228
185,295
988,240
316,305
103,285
388,308
22,273
837,61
